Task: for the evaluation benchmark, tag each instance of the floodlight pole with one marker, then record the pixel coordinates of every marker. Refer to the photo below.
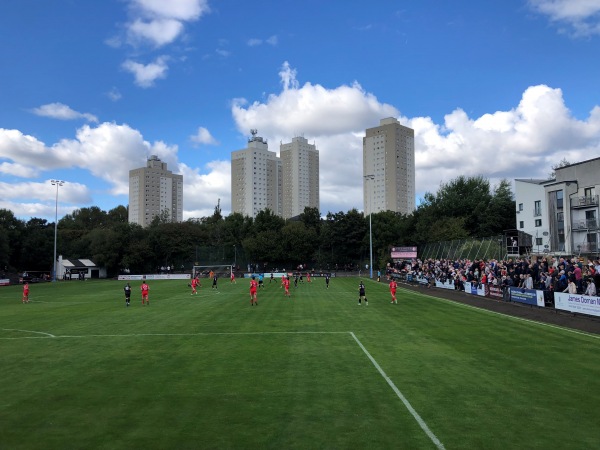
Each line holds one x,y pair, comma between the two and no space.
371,178
56,183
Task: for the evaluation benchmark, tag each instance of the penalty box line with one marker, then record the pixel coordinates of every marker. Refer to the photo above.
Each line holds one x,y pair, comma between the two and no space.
407,404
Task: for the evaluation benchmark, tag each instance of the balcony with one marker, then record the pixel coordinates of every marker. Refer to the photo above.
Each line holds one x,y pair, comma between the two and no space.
587,247
585,225
584,202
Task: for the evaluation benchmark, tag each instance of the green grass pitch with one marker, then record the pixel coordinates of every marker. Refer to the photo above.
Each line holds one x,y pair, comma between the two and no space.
316,371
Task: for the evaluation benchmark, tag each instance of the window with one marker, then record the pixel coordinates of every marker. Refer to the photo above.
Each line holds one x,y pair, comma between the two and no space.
521,224
537,208
538,222
559,199
520,206
538,241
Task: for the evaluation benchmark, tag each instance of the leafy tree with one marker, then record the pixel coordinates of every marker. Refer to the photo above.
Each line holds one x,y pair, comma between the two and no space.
84,219
499,216
264,248
311,218
343,237
266,220
298,242
118,215
38,246
11,231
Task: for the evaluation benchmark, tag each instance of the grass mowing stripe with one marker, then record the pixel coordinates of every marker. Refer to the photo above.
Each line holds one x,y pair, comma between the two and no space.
414,413
487,311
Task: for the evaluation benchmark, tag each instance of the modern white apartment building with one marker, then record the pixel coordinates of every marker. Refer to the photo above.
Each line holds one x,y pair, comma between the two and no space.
300,165
532,212
389,168
154,190
256,182
567,220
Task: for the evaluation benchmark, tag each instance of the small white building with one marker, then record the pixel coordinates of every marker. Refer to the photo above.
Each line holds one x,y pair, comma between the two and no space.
73,269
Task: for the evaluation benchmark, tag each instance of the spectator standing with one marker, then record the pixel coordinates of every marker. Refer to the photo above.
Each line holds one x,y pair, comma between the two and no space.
591,288
571,287
578,277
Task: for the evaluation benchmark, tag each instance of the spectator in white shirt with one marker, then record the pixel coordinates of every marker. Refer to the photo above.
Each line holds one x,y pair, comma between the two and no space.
591,288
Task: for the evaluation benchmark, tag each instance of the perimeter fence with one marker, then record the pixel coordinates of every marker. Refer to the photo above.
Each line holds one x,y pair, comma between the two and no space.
491,247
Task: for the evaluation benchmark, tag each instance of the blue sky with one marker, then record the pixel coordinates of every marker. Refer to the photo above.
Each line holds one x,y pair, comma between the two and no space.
89,90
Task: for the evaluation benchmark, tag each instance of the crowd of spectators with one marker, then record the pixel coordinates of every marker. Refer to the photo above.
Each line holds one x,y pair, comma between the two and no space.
549,274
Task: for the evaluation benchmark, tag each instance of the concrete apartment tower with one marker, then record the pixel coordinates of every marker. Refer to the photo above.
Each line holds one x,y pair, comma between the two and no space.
389,168
300,161
255,179
153,190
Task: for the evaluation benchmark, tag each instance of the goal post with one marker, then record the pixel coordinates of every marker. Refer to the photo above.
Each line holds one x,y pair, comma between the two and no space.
219,270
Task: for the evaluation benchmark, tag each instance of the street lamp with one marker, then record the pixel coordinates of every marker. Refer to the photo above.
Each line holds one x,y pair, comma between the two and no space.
56,183
371,178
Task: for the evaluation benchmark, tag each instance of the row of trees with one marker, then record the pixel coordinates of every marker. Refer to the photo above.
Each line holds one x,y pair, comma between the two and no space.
464,207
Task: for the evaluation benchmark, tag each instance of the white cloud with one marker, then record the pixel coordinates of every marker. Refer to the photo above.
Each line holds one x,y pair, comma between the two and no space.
201,192
254,42
18,170
146,75
38,199
222,52
581,16
159,32
333,119
62,112
114,94
204,137
185,10
523,142
107,151
160,22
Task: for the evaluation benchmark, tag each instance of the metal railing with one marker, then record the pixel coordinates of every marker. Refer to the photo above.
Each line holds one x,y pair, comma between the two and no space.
586,224
584,202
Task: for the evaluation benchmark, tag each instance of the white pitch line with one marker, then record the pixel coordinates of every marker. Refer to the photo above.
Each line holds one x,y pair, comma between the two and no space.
414,413
29,331
487,311
63,303
84,336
